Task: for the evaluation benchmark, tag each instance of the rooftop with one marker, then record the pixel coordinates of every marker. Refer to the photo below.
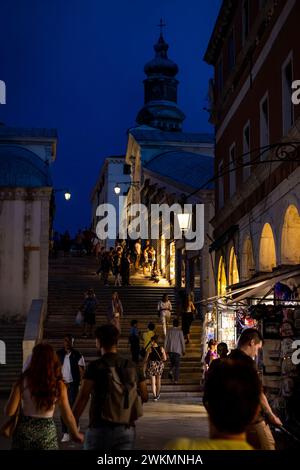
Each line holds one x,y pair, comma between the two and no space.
220,29
9,132
21,168
184,167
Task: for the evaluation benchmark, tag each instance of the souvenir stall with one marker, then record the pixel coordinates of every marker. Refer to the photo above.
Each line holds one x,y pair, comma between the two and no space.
279,323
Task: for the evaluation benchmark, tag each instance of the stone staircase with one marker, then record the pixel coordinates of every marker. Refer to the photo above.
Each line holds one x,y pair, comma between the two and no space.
69,278
12,334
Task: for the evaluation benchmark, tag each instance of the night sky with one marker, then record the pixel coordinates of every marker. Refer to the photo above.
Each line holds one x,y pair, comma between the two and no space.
77,66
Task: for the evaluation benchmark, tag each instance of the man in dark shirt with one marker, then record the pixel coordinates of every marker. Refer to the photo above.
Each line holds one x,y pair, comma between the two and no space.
258,433
105,432
73,364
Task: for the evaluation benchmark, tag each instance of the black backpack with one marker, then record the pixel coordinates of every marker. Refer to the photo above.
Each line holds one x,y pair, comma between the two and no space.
121,401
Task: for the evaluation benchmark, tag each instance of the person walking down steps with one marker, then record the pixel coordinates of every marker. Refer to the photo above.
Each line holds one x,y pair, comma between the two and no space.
73,365
88,309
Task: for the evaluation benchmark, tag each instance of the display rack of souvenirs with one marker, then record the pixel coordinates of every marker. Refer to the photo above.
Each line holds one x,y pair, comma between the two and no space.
226,328
280,325
244,320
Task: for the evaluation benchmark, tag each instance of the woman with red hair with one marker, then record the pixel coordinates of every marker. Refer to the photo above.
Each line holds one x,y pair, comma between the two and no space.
38,390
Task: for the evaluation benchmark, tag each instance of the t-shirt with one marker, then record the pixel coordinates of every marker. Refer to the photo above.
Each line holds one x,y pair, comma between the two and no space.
66,368
97,373
207,444
239,355
147,338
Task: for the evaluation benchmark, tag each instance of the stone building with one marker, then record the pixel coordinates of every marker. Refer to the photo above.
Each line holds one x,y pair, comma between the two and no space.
169,165
254,51
111,175
25,216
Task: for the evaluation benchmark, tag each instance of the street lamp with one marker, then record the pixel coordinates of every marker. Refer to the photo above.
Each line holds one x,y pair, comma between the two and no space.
134,184
67,194
184,221
117,189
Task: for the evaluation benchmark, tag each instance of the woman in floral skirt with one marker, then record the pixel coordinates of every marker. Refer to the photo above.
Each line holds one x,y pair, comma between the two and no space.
36,393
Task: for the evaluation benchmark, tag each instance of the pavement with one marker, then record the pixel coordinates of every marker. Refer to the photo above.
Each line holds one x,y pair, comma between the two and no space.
163,421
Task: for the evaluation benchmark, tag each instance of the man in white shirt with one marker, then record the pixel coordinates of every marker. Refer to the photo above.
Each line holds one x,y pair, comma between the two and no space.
73,366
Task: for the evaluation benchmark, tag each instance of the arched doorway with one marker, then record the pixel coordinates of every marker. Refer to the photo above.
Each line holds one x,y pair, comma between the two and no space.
233,268
248,264
221,281
267,252
290,237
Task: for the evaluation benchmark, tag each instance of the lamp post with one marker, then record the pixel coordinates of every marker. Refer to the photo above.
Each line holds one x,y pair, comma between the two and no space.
184,221
67,194
134,184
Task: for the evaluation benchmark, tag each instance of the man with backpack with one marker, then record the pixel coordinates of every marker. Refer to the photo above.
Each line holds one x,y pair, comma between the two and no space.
117,392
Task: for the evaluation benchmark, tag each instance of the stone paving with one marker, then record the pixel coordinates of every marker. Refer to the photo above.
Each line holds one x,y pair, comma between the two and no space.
162,421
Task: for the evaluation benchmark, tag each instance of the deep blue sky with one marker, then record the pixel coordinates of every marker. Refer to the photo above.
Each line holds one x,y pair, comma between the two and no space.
77,66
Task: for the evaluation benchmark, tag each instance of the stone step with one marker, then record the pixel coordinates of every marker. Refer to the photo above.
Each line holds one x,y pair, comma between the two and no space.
68,280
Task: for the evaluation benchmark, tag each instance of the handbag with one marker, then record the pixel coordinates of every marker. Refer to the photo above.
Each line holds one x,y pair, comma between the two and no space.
8,428
78,318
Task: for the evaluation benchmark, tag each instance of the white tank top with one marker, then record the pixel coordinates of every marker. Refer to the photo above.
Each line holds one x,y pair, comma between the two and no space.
29,407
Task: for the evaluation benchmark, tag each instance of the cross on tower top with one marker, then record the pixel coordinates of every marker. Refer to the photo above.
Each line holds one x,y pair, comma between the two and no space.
161,25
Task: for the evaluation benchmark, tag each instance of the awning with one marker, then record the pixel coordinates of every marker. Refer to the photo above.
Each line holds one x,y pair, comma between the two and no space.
260,286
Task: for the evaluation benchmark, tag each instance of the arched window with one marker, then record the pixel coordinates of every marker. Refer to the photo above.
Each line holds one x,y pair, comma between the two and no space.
290,238
221,281
233,268
248,264
267,252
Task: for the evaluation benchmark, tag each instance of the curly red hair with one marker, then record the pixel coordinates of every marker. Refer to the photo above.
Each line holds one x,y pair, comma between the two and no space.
44,376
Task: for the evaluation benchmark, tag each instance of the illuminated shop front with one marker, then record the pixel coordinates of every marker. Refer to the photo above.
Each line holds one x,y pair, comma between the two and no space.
163,255
172,263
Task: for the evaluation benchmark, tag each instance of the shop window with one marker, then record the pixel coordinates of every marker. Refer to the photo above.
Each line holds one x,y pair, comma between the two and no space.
248,265
163,255
233,268
221,281
172,262
290,239
264,124
246,152
287,105
267,252
232,168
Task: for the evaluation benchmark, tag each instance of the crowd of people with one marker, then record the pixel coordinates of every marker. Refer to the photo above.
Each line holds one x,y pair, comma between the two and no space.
84,243
122,259
238,410
236,405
